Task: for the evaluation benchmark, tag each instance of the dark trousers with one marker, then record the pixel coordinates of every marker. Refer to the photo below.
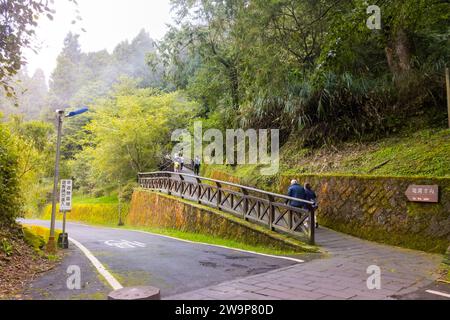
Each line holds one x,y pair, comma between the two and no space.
197,169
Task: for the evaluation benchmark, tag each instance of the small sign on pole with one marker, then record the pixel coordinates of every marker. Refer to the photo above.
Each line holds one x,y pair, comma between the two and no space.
65,199
428,194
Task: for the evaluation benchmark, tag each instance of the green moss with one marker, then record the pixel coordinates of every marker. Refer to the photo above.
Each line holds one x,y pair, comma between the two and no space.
82,199
89,296
35,241
423,153
95,213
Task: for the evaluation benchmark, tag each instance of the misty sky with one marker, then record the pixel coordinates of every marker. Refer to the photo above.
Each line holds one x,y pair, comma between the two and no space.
107,22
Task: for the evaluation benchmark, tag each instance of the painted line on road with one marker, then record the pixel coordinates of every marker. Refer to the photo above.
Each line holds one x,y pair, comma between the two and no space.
218,246
438,293
98,265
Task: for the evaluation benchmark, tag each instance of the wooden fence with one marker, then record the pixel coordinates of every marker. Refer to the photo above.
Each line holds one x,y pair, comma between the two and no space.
265,208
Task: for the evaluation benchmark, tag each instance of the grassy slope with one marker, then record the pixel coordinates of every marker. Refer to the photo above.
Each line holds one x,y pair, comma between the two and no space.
424,153
82,199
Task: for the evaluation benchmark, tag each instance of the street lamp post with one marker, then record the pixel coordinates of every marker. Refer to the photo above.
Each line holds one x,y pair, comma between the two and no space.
51,246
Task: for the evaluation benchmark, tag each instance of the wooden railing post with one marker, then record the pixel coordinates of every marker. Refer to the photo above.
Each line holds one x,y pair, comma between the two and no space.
199,192
219,195
312,226
271,212
245,193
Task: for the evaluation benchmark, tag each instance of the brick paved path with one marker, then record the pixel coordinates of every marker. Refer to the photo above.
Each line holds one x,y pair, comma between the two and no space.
341,275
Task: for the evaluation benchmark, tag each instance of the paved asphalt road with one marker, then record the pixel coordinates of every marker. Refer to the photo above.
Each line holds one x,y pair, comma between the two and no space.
173,266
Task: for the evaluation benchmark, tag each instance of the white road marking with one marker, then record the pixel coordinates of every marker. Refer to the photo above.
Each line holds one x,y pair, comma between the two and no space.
97,264
438,293
125,244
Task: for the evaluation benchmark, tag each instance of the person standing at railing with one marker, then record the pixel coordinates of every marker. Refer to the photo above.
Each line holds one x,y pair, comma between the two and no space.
297,191
197,164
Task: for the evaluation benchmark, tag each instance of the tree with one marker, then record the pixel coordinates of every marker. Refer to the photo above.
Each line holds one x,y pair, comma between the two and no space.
18,20
10,198
131,132
66,79
206,32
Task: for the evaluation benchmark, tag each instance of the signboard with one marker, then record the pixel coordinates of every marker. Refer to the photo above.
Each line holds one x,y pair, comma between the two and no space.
428,194
65,197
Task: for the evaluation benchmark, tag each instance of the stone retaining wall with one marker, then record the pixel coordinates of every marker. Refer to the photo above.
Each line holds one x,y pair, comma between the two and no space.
376,208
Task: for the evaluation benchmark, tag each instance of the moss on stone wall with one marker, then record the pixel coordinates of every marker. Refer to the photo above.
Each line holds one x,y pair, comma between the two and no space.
152,209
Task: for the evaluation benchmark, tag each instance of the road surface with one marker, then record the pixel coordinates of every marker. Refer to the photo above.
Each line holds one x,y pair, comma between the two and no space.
174,266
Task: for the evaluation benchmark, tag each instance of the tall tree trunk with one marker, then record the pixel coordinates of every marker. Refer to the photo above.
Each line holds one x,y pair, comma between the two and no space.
234,80
398,53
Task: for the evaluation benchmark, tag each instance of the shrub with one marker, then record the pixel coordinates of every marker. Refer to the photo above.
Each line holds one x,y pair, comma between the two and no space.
10,200
6,247
127,191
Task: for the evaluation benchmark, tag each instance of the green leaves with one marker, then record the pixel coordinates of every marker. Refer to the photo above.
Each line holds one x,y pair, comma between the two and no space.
130,133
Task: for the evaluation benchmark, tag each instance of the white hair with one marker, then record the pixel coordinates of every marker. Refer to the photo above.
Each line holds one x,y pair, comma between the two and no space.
294,182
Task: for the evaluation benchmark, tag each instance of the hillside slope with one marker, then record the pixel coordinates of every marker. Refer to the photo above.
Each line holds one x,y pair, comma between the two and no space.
424,153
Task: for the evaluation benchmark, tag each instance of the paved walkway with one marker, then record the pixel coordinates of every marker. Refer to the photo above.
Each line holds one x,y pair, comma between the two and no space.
341,275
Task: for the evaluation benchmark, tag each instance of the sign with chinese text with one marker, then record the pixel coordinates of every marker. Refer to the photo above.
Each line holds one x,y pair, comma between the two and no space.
423,193
65,197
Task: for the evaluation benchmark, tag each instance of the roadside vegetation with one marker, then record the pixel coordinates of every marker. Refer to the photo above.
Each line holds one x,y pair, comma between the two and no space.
423,153
346,99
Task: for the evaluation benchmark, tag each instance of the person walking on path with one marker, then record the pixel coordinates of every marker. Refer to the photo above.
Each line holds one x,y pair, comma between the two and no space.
311,196
197,164
176,163
181,162
297,191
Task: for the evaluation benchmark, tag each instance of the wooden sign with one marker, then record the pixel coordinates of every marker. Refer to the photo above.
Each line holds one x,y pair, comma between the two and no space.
428,194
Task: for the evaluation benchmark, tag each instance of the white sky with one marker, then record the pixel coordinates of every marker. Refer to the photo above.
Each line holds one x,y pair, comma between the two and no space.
107,22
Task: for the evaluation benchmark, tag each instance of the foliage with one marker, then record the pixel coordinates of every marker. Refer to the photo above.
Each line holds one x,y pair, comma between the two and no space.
130,133
18,21
6,247
33,239
36,236
126,192
312,67
34,144
10,198
93,213
30,95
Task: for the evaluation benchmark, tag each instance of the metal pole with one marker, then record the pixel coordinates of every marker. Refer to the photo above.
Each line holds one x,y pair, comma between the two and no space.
64,221
447,78
51,246
120,204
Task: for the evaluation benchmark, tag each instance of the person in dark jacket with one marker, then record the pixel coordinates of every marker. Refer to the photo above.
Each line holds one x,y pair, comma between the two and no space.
297,191
311,196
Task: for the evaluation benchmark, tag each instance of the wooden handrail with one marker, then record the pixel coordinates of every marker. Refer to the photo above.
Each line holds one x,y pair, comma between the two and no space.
270,209
267,193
